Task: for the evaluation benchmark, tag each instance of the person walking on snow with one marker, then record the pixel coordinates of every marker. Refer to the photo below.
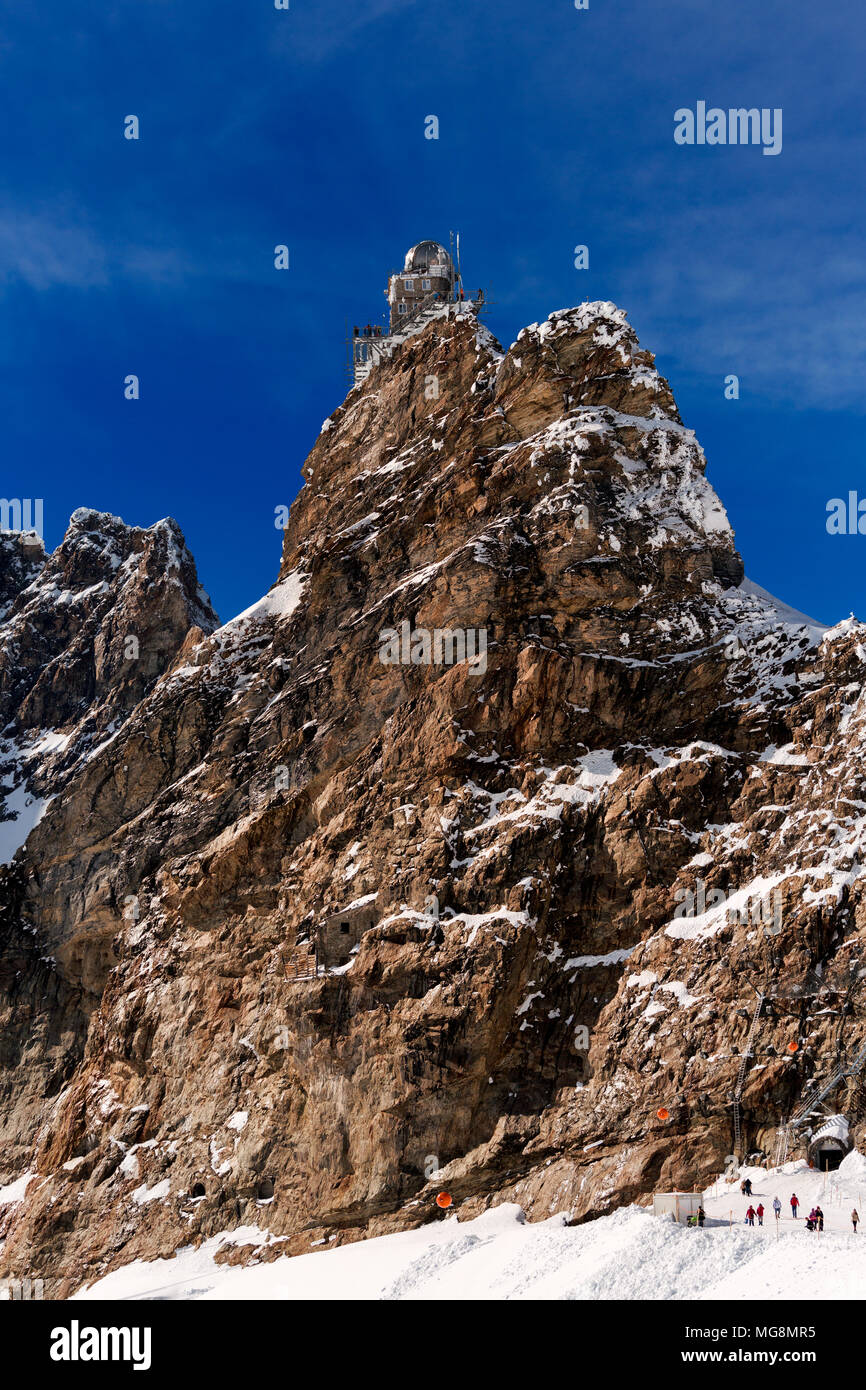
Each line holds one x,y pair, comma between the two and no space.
820,1215
854,1219
777,1207
795,1202
702,1217
748,1187
750,1215
760,1213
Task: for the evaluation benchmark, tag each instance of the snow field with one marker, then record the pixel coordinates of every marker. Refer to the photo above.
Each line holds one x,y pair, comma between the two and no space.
630,1254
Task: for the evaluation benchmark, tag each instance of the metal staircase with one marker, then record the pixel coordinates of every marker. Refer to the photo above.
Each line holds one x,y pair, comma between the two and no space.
844,1069
806,1107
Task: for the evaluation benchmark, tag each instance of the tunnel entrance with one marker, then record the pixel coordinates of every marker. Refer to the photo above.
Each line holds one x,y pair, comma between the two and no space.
828,1159
829,1144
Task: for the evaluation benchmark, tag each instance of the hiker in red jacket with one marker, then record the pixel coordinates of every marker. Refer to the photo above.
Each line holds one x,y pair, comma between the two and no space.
760,1213
750,1215
795,1202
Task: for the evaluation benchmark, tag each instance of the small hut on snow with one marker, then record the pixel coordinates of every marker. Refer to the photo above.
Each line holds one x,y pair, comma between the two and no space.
679,1205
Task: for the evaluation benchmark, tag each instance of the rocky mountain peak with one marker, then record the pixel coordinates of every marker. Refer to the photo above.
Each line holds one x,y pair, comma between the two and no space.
85,633
21,558
390,865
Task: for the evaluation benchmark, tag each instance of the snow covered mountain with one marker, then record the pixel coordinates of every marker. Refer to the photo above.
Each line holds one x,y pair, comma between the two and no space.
84,634
322,913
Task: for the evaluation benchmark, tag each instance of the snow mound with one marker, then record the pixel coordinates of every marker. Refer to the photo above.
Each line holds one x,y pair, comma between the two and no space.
786,614
852,1169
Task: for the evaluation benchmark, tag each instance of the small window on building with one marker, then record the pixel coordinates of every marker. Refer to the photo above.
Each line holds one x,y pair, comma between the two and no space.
425,284
408,284
401,308
344,928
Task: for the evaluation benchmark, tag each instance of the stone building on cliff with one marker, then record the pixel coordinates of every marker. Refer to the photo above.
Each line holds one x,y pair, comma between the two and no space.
424,288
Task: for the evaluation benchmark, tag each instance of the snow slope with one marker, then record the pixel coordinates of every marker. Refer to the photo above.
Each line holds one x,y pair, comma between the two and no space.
787,614
25,812
629,1255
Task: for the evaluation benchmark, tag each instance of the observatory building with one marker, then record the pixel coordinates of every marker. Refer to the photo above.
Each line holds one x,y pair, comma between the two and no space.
429,286
427,277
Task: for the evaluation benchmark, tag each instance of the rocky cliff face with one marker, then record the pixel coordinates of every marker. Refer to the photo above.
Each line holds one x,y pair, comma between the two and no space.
454,862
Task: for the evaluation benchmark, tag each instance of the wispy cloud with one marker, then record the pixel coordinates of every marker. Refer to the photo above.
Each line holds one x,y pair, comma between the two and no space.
45,251
318,34
63,249
784,311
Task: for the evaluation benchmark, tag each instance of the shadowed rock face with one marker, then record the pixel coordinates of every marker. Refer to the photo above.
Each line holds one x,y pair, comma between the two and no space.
489,862
84,635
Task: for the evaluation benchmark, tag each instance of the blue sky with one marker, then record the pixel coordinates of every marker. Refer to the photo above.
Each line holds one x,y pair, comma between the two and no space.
306,127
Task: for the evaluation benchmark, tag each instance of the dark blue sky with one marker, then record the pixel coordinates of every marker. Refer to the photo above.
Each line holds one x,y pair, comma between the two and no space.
306,127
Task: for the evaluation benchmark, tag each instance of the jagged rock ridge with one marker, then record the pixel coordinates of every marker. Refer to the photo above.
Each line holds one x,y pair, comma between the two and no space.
486,864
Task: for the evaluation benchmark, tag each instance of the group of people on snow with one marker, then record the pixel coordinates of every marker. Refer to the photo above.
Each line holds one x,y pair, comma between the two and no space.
814,1221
